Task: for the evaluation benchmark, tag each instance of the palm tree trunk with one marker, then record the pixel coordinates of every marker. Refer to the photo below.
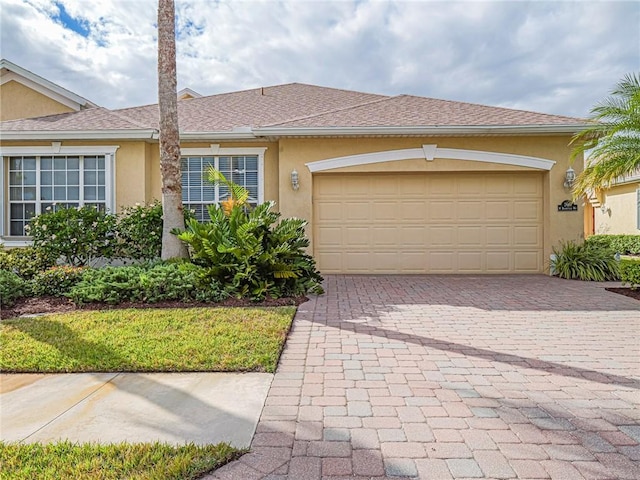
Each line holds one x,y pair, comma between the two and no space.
172,209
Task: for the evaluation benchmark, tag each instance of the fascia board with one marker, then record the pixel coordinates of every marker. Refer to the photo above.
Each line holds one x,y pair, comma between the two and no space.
426,130
79,135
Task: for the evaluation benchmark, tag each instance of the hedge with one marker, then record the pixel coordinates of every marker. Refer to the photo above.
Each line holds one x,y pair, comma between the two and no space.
623,244
630,272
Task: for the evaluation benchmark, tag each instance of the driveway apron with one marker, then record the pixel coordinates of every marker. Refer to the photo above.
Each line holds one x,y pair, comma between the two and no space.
439,377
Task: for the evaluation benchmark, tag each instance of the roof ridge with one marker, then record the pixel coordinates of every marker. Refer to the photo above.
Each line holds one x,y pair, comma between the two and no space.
126,118
357,105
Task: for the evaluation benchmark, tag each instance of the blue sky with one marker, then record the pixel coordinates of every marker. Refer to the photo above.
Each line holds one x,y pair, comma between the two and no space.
556,57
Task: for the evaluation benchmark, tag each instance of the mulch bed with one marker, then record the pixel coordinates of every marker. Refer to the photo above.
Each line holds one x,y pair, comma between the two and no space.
36,305
633,293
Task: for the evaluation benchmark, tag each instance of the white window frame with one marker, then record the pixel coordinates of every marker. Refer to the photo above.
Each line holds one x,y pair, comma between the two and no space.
109,152
215,150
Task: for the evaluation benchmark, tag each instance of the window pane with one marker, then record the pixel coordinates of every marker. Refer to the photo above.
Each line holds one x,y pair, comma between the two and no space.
59,178
29,193
17,228
101,178
73,163
101,163
73,178
46,163
251,163
59,163
15,164
46,178
90,163
46,193
59,193
15,178
101,193
207,162
28,163
224,164
17,211
29,178
73,193
209,193
90,178
16,193
90,193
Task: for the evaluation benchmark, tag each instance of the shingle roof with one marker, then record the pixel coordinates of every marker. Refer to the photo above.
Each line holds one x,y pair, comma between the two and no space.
294,105
97,118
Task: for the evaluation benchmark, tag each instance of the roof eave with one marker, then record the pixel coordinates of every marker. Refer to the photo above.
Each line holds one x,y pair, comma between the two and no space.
79,135
421,130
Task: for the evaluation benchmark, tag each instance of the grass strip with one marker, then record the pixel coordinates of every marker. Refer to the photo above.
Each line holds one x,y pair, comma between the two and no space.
114,461
147,340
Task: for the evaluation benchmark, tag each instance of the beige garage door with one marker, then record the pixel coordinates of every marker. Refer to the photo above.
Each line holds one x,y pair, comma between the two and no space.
428,223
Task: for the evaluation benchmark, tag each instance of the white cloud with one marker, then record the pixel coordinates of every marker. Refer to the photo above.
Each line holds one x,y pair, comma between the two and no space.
557,57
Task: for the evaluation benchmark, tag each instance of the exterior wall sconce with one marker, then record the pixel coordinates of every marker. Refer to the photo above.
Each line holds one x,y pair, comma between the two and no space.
569,178
295,181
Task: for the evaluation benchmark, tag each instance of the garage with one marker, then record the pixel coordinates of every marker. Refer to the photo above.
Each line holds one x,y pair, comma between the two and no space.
462,222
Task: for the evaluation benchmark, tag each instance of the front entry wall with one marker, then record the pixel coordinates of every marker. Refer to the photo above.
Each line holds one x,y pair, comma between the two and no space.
428,222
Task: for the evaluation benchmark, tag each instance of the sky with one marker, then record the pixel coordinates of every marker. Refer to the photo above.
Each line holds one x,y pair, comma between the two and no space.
559,57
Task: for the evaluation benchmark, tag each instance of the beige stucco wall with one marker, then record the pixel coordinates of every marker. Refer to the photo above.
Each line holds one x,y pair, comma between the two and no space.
19,101
138,170
620,210
558,226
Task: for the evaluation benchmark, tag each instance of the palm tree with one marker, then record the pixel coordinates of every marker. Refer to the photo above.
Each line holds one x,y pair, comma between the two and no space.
172,209
612,141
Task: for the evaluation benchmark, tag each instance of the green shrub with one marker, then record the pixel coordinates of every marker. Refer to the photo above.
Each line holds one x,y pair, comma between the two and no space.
76,235
57,281
12,287
585,262
139,231
623,244
630,272
252,255
26,261
146,283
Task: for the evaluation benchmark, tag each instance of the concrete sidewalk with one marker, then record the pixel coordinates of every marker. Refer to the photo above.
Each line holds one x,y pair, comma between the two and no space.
178,408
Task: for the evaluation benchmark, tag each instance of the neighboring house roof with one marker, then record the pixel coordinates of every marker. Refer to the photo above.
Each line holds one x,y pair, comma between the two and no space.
187,93
300,109
9,71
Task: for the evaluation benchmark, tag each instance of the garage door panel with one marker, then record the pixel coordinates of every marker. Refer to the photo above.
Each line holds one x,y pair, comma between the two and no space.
428,223
527,235
471,261
441,261
472,236
470,211
499,210
527,210
441,236
498,261
527,261
498,236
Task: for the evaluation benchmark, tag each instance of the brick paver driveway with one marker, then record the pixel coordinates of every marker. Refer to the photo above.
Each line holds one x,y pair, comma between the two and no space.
454,377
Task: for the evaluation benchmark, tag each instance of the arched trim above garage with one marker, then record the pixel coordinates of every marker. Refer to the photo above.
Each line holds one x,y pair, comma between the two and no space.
429,153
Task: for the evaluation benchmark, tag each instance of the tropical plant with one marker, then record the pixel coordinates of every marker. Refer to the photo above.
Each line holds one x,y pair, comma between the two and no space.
253,255
77,236
169,134
238,195
612,141
585,262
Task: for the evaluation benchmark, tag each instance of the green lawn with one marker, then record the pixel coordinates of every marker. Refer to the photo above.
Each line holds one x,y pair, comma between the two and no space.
147,340
104,462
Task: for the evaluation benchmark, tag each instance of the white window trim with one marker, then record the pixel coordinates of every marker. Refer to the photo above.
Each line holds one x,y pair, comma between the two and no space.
216,151
429,153
109,152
